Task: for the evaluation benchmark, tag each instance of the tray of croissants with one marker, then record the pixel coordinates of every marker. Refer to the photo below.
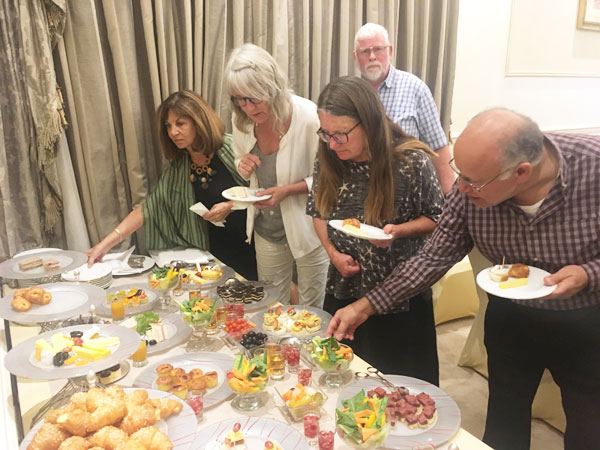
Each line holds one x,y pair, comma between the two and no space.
116,418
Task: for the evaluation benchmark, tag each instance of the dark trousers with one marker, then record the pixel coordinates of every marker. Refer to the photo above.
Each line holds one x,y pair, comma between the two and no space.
521,342
399,343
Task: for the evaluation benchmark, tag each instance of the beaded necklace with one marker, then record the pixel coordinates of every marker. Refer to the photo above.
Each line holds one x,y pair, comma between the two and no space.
202,173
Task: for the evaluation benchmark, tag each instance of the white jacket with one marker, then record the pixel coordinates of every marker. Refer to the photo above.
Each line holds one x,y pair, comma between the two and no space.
295,161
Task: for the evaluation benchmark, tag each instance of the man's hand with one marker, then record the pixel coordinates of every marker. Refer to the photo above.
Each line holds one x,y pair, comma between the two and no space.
345,264
248,164
277,193
218,212
347,320
569,280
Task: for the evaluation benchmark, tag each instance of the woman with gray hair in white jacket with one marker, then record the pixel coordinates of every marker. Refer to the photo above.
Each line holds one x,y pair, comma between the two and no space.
275,145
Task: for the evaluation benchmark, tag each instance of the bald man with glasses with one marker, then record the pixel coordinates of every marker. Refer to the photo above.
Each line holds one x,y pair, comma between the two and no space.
406,98
533,198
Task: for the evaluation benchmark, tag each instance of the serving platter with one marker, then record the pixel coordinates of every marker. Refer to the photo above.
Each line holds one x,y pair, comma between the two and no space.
271,294
67,260
180,427
324,315
206,361
103,308
68,300
256,431
535,287
228,272
370,232
21,361
402,437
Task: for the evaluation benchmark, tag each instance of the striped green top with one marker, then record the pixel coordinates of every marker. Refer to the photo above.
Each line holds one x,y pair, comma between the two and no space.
168,220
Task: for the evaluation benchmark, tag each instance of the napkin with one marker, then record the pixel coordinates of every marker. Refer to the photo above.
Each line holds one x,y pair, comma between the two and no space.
200,209
120,262
191,255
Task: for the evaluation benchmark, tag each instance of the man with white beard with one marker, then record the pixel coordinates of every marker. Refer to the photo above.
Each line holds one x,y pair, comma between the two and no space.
407,100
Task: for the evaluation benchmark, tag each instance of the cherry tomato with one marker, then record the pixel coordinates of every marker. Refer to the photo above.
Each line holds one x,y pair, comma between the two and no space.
236,427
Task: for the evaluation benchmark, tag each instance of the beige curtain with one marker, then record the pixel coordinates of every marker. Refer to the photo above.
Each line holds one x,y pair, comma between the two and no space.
118,61
30,126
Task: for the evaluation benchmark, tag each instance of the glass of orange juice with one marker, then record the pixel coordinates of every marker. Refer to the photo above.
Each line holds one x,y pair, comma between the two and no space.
139,357
117,309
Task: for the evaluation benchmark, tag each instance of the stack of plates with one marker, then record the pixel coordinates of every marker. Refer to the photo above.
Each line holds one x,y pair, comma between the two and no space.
100,274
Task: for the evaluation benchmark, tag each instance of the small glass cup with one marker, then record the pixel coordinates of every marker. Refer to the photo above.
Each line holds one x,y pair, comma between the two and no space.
221,314
117,309
139,357
304,376
211,326
197,405
275,360
311,427
326,439
291,352
238,310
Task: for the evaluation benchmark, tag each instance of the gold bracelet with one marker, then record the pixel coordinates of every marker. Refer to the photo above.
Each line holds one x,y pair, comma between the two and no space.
116,230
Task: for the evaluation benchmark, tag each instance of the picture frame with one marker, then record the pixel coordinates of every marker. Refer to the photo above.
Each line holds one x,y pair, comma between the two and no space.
588,15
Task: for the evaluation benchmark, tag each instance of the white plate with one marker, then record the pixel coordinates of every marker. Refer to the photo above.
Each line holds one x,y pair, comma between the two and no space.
33,251
103,308
20,360
258,319
190,255
535,287
147,264
68,300
180,427
402,437
250,198
98,272
371,232
256,431
67,260
205,361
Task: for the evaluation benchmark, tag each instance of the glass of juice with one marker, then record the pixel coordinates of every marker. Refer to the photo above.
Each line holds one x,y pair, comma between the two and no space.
221,314
117,309
304,376
311,427
292,357
139,357
326,440
275,361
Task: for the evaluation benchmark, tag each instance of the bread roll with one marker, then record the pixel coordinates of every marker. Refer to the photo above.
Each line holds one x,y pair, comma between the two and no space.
354,222
518,271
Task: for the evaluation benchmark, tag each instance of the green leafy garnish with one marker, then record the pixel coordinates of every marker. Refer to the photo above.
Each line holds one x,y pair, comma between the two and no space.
144,320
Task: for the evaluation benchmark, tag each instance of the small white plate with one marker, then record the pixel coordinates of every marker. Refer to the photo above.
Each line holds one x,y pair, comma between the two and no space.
371,232
250,195
95,273
535,287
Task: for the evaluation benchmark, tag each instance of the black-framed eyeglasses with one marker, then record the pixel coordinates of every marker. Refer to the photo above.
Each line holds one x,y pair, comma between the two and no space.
379,50
340,138
471,185
243,101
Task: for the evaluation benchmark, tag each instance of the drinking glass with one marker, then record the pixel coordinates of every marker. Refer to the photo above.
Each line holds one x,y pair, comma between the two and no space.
311,427
292,357
275,361
326,440
117,310
139,357
304,376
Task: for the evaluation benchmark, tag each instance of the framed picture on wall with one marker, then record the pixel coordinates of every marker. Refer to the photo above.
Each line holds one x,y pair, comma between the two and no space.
588,15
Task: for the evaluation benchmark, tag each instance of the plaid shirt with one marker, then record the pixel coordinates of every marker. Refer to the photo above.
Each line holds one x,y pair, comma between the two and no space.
408,102
565,231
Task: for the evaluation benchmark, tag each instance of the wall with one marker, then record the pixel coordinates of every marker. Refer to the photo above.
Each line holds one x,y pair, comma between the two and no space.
491,70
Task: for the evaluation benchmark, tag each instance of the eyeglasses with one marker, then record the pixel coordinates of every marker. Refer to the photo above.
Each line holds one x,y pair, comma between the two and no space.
378,50
340,138
468,183
243,101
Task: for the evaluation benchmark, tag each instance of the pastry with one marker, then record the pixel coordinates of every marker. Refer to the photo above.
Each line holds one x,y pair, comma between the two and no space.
164,369
196,374
20,304
235,439
30,263
198,387
499,273
178,372
164,383
518,271
211,379
105,376
180,391
352,222
238,191
152,439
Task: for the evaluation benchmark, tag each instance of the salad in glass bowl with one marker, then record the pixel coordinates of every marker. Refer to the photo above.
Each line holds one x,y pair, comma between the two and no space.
197,313
247,378
163,280
332,357
362,423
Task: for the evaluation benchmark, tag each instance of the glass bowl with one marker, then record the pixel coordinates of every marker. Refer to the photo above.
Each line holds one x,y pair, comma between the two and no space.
373,441
338,366
298,408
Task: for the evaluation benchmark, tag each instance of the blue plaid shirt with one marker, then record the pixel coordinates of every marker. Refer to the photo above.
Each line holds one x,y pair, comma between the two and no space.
409,103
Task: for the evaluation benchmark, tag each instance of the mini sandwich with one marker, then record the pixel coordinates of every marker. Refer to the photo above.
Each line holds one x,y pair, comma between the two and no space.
30,263
499,273
51,264
238,191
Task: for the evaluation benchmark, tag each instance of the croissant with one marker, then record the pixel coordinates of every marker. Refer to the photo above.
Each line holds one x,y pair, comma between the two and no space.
152,438
140,417
166,406
108,438
75,443
135,399
130,445
77,403
80,423
75,422
48,437
116,392
353,221
518,271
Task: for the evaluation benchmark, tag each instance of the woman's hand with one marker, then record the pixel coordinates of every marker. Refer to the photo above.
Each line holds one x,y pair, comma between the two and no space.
248,164
277,193
95,254
345,264
218,212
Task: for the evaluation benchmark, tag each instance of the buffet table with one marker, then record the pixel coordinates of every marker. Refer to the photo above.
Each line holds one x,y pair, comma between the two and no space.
33,393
